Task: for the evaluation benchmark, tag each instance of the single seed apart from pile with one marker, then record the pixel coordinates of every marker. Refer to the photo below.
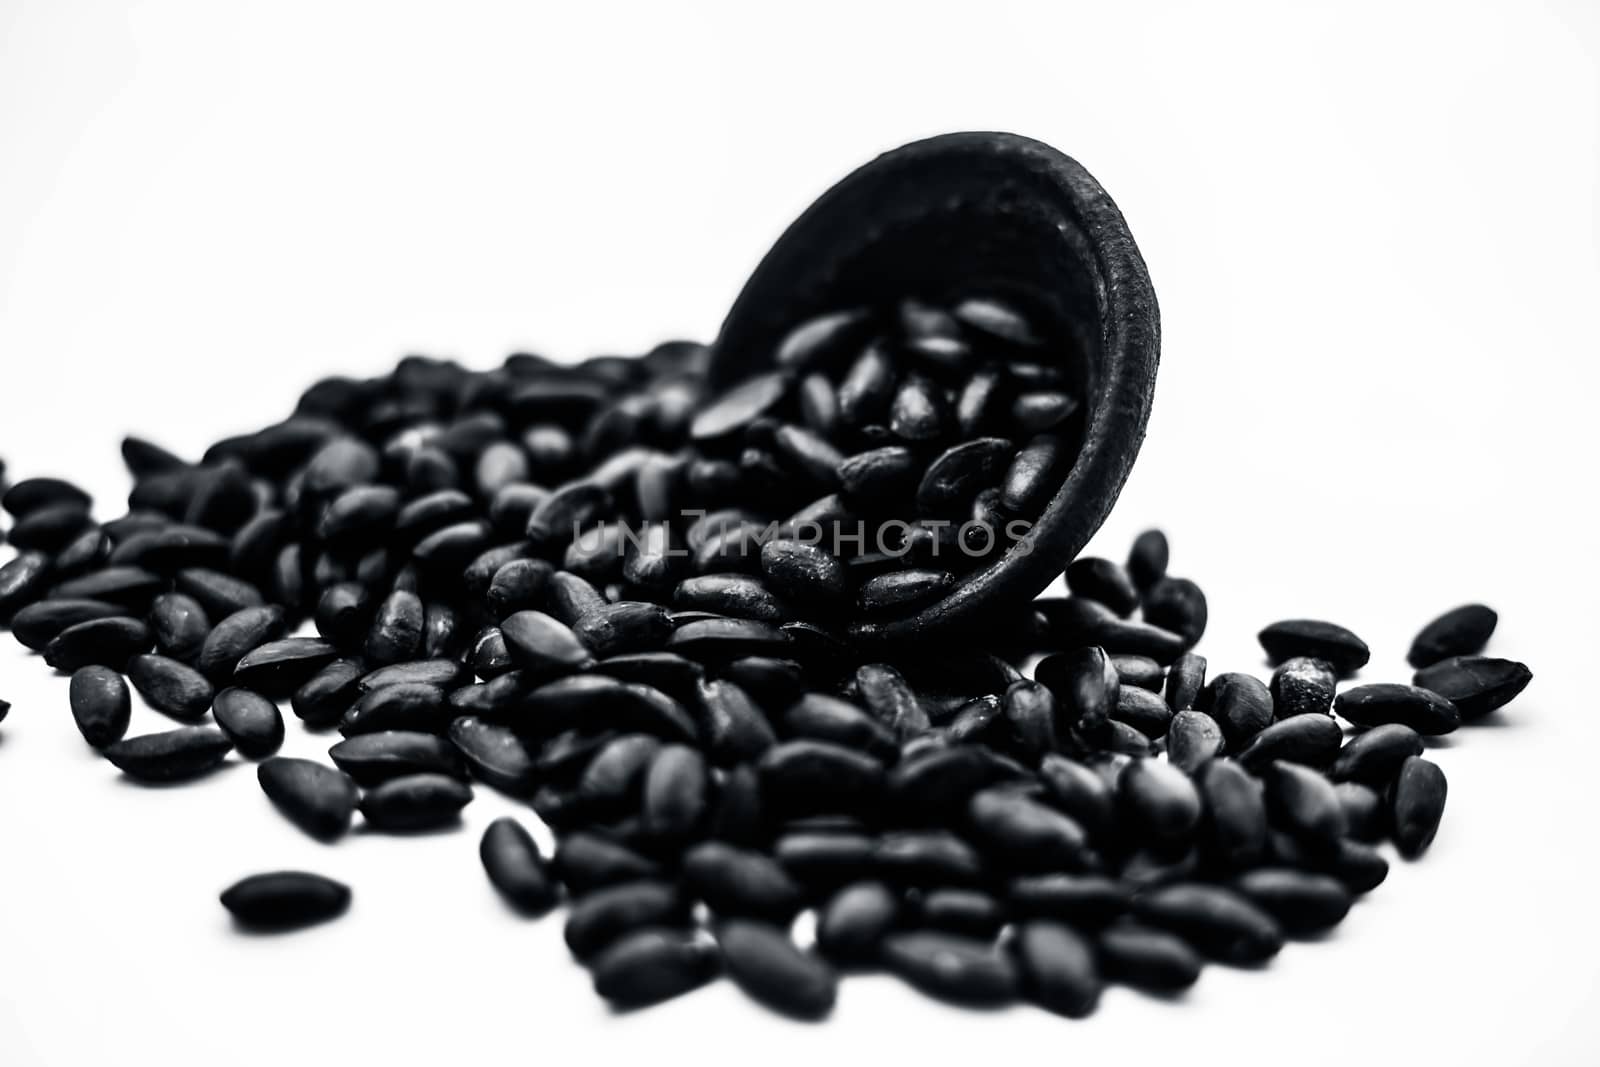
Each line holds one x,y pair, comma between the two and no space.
315,797
285,900
1462,631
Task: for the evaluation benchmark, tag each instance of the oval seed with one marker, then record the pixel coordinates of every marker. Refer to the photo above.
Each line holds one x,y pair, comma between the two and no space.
1462,631
1476,685
101,705
515,867
315,797
1417,805
1317,639
284,900
767,965
251,721
415,802
1423,710
170,756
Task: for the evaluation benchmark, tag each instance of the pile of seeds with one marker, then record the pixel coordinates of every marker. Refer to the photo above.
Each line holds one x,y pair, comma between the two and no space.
626,599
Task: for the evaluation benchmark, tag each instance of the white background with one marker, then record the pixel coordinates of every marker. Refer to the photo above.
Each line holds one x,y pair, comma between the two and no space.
1373,232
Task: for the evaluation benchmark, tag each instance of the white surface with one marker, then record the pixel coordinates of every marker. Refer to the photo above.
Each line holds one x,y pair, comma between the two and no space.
1374,236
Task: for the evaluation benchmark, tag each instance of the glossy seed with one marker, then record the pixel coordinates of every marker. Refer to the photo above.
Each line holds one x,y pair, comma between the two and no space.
285,900
278,668
1476,685
376,757
676,799
1025,833
1034,474
35,625
235,636
219,594
516,868
313,796
765,963
1326,641
1417,804
890,698
101,706
804,572
396,632
954,477
178,625
903,589
1424,710
736,408
1140,671
495,755
738,595
1462,631
170,756
1142,710
1193,738
1085,683
23,579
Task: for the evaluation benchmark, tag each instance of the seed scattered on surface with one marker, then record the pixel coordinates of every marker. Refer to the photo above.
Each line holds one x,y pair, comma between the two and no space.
421,801
1475,685
251,721
170,756
766,964
1316,639
1462,631
285,900
1424,710
101,705
516,868
315,797
1418,805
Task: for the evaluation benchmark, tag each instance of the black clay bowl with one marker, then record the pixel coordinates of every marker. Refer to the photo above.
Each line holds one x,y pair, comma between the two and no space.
992,213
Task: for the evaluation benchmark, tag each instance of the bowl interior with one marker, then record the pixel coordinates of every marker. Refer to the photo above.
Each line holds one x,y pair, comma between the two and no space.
979,213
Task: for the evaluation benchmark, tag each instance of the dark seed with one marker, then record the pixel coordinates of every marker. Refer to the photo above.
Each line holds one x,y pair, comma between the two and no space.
1086,686
1476,685
1374,757
378,757
735,409
585,862
1303,902
651,966
913,587
766,964
315,797
1140,671
1080,899
396,632
235,636
515,867
415,802
601,917
408,706
805,572
101,642
1303,686
219,594
170,756
1462,631
1313,740
1364,811
1360,867
1143,710
50,528
327,695
179,625
1159,799
1339,647
626,626
31,494
738,595
1026,834
891,700
1235,829
1219,922
1058,967
516,585
1240,703
285,900
971,912
825,718
951,967
1417,804
251,721
495,755
1178,605
171,687
1193,738
1304,802
1424,710
1106,582
854,922
734,881
928,857
23,579
134,587
979,402
445,673
1080,792
957,474
1034,474
101,705
539,642
1147,958
36,625
278,668
1147,560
